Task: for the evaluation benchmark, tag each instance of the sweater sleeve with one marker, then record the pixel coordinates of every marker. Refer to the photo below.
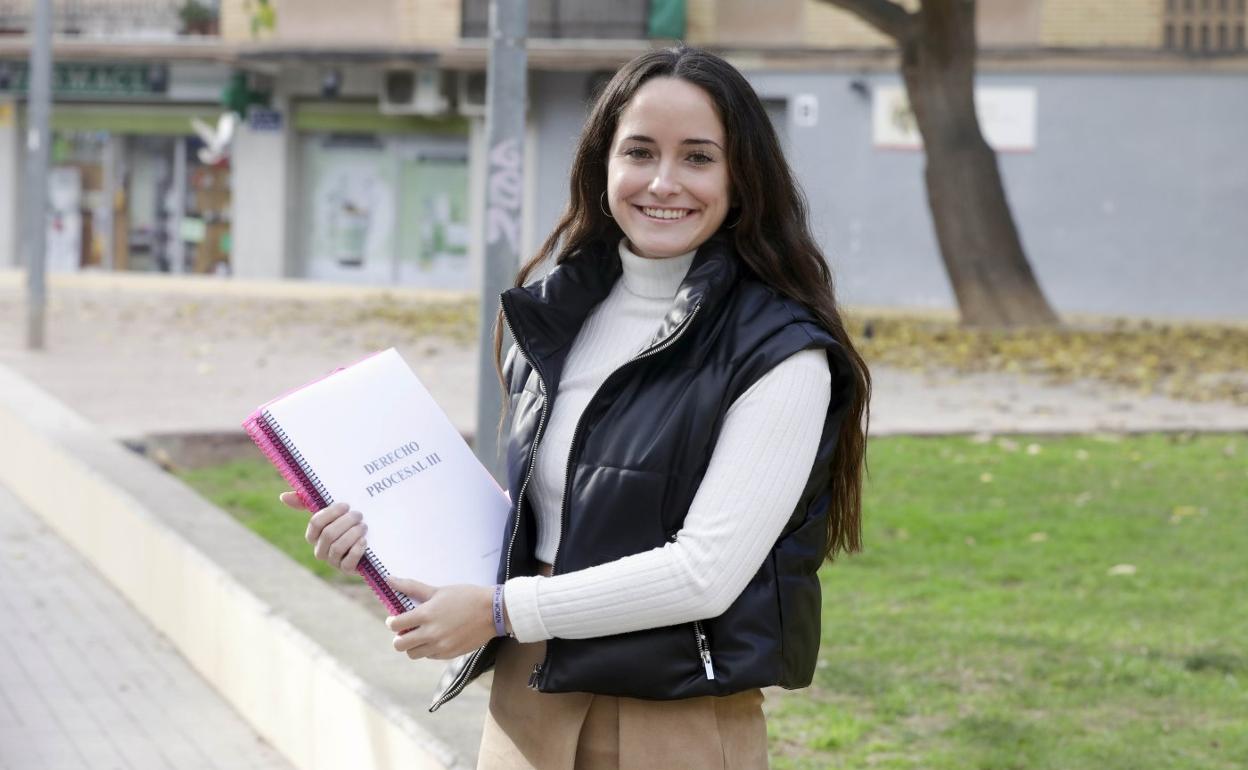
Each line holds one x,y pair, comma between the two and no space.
755,477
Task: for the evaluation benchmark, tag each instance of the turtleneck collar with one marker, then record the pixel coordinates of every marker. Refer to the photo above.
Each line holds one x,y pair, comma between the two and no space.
653,278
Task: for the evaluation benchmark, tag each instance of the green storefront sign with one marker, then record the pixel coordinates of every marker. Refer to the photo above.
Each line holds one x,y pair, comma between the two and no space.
91,80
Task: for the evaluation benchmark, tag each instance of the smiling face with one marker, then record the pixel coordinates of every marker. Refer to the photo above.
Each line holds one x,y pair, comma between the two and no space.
667,170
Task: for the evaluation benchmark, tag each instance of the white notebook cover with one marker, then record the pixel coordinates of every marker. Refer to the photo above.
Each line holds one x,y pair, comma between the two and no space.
376,439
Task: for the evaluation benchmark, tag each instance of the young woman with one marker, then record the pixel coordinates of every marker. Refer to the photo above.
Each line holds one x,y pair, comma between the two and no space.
688,425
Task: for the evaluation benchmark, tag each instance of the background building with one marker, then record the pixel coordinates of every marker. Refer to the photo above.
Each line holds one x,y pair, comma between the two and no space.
1119,126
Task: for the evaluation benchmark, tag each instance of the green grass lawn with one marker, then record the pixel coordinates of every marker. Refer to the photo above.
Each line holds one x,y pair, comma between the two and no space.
1050,604
1067,603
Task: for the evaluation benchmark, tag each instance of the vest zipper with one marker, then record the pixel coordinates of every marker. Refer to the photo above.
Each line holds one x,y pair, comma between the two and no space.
704,649
699,638
465,676
655,349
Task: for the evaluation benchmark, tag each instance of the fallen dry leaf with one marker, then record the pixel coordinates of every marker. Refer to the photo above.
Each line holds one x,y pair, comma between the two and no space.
1189,361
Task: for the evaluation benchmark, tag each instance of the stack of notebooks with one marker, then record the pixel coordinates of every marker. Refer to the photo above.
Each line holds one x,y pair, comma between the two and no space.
371,435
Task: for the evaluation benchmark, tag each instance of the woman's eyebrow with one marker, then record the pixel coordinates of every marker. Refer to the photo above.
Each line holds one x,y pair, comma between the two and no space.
643,138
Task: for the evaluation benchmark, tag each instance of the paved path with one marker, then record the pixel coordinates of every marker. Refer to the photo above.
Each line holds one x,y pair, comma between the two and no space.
138,362
85,682
139,356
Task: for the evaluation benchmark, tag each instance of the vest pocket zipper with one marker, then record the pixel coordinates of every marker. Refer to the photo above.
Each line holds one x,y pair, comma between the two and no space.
535,676
704,649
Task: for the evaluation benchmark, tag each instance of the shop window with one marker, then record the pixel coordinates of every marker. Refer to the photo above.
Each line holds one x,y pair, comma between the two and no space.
1204,27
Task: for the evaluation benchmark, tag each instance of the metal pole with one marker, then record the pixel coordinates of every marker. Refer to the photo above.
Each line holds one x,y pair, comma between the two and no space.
38,111
506,82
177,212
106,213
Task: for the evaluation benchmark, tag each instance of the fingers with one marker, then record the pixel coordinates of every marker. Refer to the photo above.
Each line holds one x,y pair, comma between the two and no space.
322,519
292,500
354,554
419,642
338,535
406,621
417,590
337,538
337,552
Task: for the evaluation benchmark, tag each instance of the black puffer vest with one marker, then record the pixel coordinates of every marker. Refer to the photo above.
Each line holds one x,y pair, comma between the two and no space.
637,458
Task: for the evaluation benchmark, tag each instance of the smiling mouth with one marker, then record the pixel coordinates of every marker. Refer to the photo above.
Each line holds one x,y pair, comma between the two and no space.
664,215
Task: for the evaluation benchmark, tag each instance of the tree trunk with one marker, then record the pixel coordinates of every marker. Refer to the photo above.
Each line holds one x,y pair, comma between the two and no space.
979,243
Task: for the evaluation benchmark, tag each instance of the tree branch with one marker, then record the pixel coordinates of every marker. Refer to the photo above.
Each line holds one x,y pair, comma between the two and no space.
886,16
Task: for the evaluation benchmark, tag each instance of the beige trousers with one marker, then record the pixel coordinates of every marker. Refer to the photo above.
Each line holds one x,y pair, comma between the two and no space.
530,730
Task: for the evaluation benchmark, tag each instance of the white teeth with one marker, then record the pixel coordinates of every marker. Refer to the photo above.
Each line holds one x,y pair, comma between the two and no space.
665,213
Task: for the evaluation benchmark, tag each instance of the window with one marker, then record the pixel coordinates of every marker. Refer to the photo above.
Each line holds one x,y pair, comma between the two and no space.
1204,27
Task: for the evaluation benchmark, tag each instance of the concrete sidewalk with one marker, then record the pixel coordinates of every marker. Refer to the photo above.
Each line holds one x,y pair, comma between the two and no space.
86,682
149,355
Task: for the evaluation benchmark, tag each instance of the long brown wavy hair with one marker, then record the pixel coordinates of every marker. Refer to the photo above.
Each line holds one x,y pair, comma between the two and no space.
772,238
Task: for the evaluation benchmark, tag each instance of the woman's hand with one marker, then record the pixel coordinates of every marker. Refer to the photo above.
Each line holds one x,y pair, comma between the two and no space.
335,532
450,621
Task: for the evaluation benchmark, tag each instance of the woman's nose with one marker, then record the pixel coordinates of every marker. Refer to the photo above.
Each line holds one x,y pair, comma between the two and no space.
664,183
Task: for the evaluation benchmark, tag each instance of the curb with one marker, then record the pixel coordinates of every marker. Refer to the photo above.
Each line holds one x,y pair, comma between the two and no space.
309,669
211,285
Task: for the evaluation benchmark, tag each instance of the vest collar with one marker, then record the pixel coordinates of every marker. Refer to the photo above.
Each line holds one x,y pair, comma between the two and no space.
545,316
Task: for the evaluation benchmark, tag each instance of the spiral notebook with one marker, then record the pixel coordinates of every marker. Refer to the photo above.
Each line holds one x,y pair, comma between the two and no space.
371,435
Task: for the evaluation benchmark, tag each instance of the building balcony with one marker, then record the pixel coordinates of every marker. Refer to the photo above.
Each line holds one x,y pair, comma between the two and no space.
117,19
571,19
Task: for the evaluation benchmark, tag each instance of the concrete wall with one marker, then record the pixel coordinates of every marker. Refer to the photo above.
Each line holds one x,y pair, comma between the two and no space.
10,174
1126,23
558,113
263,193
429,21
1132,202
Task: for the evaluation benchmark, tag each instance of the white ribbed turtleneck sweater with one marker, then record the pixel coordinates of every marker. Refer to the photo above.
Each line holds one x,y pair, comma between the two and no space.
757,470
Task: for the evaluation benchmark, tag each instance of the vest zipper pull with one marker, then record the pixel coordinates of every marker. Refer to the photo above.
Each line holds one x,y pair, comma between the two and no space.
537,672
704,650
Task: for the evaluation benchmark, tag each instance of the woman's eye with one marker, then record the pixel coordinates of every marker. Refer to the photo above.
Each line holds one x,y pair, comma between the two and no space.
700,158
637,152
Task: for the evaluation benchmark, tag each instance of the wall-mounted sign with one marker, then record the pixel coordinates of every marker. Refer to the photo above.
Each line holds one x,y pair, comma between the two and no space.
264,119
92,80
805,110
1007,118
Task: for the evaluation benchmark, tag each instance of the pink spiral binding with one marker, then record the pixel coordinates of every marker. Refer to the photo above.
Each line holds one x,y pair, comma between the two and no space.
271,440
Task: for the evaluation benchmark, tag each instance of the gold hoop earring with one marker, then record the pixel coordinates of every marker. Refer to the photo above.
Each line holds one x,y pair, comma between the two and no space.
602,205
